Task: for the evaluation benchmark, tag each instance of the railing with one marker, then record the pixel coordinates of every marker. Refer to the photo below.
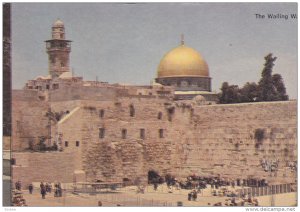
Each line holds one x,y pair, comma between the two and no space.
267,190
132,201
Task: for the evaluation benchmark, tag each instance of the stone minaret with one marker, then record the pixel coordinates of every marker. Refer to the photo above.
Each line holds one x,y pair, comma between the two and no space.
58,49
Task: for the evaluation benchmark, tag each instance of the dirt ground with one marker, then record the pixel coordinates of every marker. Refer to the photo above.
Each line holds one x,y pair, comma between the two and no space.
128,196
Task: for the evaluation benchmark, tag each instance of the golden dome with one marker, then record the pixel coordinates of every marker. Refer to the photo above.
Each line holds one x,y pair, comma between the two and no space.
182,61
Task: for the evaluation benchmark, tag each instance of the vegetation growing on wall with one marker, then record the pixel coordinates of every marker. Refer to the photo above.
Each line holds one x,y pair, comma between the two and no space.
41,145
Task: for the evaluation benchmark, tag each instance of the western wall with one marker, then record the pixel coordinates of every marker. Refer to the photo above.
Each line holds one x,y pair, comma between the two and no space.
236,141
113,132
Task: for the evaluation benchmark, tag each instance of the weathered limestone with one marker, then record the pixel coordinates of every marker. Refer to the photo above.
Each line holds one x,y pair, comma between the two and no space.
49,167
218,140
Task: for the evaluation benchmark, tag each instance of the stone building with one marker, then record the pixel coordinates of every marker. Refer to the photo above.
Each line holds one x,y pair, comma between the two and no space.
67,129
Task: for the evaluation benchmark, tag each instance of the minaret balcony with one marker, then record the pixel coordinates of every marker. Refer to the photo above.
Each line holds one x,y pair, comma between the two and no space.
67,49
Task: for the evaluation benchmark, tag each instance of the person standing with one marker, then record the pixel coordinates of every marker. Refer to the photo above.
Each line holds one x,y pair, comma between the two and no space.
59,190
50,187
55,190
47,187
155,186
189,196
194,195
17,185
30,188
43,190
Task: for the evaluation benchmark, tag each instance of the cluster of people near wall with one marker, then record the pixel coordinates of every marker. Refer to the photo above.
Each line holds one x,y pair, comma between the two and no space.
198,182
245,201
193,182
44,188
47,188
216,182
219,187
192,195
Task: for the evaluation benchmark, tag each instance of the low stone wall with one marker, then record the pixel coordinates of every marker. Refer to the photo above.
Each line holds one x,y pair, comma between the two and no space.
47,167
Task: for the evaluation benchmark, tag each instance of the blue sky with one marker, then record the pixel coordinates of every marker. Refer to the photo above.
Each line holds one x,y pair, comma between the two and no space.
124,43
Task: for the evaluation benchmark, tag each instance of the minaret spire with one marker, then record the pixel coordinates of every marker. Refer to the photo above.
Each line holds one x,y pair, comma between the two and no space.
182,39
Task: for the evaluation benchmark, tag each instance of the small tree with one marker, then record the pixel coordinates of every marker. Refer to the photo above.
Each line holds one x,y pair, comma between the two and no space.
279,87
223,95
230,94
267,91
249,92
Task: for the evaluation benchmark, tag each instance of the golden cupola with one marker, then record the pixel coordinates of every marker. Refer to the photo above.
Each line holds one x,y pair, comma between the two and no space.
185,69
182,61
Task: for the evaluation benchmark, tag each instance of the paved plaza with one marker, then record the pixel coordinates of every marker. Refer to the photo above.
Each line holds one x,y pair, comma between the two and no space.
128,196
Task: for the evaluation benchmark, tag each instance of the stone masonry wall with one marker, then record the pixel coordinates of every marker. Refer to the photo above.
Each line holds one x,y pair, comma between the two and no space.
224,140
129,157
28,121
209,140
68,93
46,167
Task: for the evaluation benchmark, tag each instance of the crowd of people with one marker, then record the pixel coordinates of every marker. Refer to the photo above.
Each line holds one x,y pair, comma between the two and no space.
192,195
219,186
198,182
248,201
47,188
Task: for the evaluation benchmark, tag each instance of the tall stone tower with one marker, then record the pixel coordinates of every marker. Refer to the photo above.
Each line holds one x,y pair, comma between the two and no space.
58,49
